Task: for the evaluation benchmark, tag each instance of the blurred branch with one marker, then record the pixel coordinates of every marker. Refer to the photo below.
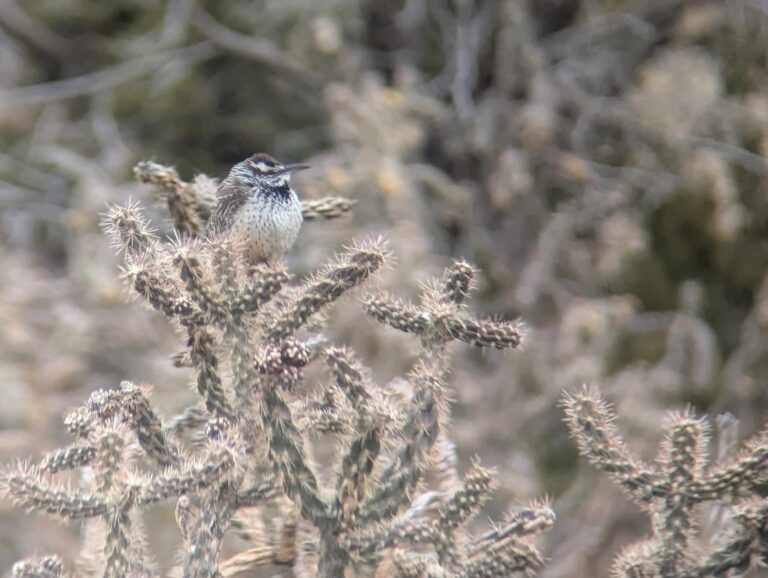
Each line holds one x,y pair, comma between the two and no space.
103,79
259,49
33,31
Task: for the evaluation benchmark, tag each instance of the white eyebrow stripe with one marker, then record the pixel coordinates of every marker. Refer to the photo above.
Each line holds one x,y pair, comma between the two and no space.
260,166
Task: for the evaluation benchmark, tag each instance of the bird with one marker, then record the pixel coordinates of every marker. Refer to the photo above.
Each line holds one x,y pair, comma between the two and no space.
257,207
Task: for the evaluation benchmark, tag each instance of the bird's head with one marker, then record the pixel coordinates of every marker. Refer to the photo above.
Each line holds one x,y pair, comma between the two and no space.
264,169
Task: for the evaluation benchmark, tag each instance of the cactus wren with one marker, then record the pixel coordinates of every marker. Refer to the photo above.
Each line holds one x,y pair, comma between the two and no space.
258,207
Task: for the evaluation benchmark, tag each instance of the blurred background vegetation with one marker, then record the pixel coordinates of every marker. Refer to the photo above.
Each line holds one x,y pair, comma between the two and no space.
602,161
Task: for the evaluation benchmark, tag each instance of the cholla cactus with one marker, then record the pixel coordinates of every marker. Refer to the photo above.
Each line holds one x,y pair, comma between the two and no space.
245,449
673,488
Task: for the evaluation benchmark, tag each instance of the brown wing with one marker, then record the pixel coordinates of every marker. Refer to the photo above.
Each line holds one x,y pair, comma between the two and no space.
231,196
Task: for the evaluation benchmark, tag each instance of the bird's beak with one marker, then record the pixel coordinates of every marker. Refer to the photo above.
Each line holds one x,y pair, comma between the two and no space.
292,168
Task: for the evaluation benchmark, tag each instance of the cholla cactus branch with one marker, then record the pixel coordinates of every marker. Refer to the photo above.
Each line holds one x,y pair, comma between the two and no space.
348,272
534,520
68,459
747,541
465,502
79,422
684,462
672,491
27,488
257,494
496,554
192,477
442,315
286,453
405,531
396,314
500,559
200,289
108,461
591,423
156,293
209,383
129,230
326,208
348,373
45,567
205,536
460,506
118,548
184,207
258,292
356,468
408,565
420,434
130,406
748,470
147,425
458,282
637,561
496,334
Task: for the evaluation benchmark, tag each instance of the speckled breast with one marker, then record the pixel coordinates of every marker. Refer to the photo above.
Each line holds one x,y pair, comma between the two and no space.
269,225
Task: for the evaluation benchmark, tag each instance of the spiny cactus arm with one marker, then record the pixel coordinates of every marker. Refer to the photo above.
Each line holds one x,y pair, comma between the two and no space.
45,567
68,458
27,488
286,453
356,468
746,545
483,333
502,558
258,291
183,206
391,533
465,502
147,425
191,418
203,292
203,542
637,561
420,434
129,231
683,461
749,469
121,552
155,291
361,455
398,315
590,420
190,477
79,422
528,522
458,282
326,208
348,374
257,494
330,414
209,383
108,462
462,504
347,272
